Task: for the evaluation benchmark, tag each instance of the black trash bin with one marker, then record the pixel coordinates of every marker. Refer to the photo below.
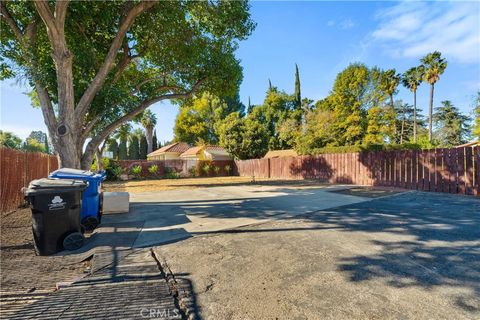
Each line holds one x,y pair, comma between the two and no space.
56,205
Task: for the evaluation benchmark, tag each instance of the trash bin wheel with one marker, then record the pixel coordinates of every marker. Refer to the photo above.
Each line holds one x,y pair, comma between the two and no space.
73,241
90,223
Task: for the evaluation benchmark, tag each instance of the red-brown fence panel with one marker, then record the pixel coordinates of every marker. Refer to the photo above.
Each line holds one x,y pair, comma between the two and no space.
17,169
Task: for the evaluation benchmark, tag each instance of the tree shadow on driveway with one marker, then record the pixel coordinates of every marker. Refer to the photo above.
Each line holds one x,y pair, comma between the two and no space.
427,240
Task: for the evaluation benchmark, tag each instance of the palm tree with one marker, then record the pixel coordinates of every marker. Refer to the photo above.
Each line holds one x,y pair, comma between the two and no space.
149,120
122,134
434,66
411,79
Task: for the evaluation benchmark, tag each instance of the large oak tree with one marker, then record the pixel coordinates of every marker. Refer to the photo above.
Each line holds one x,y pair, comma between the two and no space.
96,65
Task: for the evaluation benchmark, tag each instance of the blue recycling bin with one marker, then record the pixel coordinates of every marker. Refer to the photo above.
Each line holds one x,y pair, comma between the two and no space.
91,206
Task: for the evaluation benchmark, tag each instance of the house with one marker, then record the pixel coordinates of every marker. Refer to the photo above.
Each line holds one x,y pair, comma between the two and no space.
206,153
280,153
170,152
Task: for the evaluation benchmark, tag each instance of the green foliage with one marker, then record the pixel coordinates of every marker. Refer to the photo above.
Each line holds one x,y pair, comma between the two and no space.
32,145
206,169
136,171
413,77
199,117
176,46
194,172
112,146
227,169
317,131
155,144
348,100
297,94
143,147
122,150
216,169
365,148
244,138
433,66
133,148
476,126
111,167
153,169
46,145
452,127
171,174
10,140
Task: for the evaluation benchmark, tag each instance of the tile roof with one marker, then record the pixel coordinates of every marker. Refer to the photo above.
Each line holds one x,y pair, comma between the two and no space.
178,147
195,150
191,152
281,153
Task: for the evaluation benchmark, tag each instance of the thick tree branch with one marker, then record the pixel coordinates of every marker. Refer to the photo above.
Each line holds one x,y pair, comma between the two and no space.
11,22
46,14
95,142
107,65
61,11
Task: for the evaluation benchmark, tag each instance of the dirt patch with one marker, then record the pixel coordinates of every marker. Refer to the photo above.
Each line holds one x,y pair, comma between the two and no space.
22,270
137,186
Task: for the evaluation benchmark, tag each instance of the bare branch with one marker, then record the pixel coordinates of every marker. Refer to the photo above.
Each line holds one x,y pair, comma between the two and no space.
107,65
5,15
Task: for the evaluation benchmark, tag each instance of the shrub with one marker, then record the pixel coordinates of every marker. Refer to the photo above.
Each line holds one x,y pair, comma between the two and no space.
227,169
216,169
153,169
111,167
206,168
193,171
171,174
136,171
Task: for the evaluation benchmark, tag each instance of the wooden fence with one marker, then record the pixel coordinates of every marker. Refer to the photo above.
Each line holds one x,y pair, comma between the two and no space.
454,170
17,169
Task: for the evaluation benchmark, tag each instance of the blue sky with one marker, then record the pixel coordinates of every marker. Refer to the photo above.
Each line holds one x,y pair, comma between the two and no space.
323,38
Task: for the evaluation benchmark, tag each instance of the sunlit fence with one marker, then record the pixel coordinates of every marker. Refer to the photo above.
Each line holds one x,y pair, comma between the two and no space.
454,170
17,169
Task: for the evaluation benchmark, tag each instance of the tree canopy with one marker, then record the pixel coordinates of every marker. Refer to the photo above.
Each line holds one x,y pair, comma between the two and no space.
96,65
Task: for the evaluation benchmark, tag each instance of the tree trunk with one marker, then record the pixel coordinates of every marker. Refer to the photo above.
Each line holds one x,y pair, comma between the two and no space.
430,114
66,148
395,118
98,159
149,136
403,125
415,116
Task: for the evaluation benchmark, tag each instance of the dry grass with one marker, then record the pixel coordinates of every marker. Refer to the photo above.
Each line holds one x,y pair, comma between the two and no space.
136,186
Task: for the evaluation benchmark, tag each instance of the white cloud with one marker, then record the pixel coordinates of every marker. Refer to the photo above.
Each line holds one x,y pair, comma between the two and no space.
347,24
331,23
413,29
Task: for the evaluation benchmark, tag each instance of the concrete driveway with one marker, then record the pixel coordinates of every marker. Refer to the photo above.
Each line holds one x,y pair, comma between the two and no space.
307,252
281,251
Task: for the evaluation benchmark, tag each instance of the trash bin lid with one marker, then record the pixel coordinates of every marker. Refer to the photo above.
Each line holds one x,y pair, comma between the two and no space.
49,185
72,172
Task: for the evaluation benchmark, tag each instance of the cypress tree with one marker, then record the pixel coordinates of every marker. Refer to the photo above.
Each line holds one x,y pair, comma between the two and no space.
297,94
143,147
122,150
155,145
47,148
250,107
270,85
113,148
133,152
